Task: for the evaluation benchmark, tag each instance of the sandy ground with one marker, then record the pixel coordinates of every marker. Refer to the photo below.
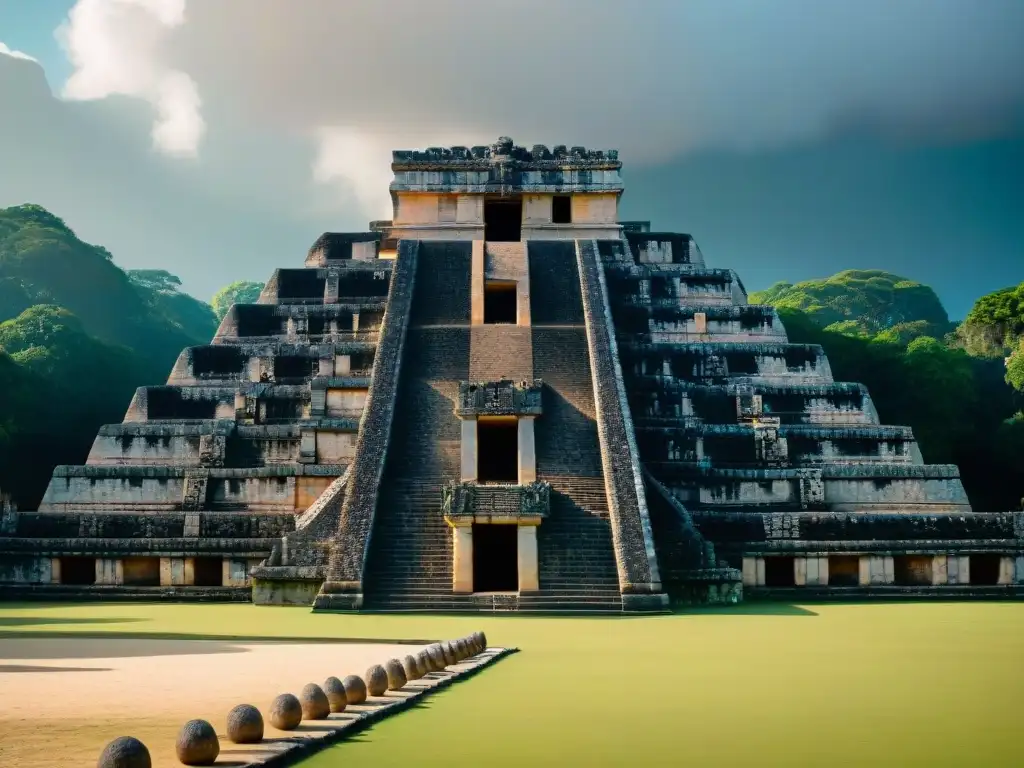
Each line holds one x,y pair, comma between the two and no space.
62,700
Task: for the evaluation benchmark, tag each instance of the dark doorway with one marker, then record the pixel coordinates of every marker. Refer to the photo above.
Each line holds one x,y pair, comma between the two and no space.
141,571
497,450
503,220
778,572
208,571
79,571
984,570
843,571
496,558
500,303
912,570
561,209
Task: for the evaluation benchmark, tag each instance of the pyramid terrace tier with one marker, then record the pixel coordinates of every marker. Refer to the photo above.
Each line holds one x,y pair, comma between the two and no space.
655,400
714,323
263,361
720,362
309,323
665,286
354,283
281,489
225,444
322,397
880,487
749,446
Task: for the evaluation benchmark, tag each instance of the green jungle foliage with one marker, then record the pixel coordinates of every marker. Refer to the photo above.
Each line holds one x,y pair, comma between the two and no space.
863,302
960,406
995,324
78,335
238,292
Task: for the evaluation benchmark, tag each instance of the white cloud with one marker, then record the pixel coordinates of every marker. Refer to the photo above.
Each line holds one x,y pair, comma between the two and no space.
116,48
5,51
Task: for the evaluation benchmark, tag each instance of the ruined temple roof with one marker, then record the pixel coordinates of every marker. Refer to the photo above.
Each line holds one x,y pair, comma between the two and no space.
505,152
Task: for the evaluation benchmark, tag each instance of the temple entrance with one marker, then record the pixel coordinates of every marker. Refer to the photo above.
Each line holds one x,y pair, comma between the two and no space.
79,571
208,571
497,446
779,572
500,303
495,558
503,220
843,571
141,571
912,570
985,570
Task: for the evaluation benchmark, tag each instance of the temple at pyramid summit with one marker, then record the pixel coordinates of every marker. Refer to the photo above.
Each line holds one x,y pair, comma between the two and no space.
505,398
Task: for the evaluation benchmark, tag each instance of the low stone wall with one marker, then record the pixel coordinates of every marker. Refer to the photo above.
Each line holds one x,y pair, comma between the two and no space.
631,527
343,588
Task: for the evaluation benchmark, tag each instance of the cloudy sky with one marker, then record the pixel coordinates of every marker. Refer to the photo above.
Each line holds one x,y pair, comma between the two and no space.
218,138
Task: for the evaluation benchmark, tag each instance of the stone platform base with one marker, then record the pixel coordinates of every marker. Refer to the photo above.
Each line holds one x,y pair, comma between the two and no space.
724,593
318,734
109,593
886,592
284,592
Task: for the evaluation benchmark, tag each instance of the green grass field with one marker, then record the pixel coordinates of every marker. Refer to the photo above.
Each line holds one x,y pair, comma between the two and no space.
890,684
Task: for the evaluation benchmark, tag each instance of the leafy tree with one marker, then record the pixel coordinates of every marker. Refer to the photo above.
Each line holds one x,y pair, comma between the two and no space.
995,323
1015,367
239,292
871,299
161,291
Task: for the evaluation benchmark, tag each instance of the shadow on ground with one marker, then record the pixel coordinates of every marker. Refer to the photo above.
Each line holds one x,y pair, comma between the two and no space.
70,647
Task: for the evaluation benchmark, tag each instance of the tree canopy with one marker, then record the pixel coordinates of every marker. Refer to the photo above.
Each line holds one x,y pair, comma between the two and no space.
864,301
995,323
238,292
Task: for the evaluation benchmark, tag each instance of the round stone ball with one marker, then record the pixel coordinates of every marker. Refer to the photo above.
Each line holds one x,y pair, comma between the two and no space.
437,656
449,653
315,705
396,674
424,662
197,743
471,649
286,712
245,725
336,695
376,680
412,668
125,752
355,689
483,640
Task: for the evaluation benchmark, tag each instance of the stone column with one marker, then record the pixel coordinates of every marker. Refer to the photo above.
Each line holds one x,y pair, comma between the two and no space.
800,571
817,571
749,571
109,571
188,572
864,572
476,285
527,450
166,577
880,570
342,365
462,557
939,574
1005,570
529,577
760,572
959,569
1018,570
469,450
55,570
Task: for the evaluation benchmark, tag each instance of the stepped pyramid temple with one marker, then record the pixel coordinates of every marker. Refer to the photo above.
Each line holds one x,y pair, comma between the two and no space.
505,398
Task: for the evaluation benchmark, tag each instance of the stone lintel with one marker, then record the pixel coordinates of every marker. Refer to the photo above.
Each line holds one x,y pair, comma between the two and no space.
499,398
463,504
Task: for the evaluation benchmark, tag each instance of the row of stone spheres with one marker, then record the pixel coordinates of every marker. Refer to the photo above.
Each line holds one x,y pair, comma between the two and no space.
505,398
198,744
